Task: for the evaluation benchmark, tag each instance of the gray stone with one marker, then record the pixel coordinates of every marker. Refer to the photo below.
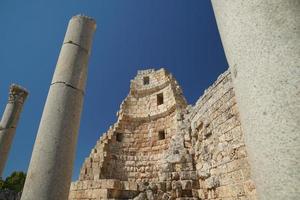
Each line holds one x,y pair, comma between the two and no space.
166,196
203,174
9,121
141,196
79,33
261,41
152,186
150,195
212,182
143,186
50,169
9,195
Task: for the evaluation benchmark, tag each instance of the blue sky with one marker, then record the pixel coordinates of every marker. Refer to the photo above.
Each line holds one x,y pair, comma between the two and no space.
180,35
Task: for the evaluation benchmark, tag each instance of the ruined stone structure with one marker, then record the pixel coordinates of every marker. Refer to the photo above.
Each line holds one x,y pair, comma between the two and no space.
9,121
162,148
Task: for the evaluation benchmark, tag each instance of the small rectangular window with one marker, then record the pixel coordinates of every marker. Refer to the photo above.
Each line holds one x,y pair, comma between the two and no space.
161,135
119,137
160,99
146,80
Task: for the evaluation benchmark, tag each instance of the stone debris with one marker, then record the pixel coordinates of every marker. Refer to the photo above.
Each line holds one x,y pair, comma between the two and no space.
161,148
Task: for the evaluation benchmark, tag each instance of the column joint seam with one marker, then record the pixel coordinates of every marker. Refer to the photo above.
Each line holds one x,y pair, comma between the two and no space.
78,45
68,85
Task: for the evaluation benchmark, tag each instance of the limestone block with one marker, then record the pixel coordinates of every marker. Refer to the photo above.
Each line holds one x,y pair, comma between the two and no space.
212,182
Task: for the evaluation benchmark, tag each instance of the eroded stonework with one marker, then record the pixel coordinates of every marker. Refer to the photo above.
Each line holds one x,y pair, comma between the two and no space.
162,148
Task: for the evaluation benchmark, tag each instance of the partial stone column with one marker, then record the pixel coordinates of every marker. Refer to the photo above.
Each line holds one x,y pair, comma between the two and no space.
261,39
50,170
9,121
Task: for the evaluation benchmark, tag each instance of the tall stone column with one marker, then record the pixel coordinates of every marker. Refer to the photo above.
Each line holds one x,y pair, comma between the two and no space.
50,170
9,121
261,40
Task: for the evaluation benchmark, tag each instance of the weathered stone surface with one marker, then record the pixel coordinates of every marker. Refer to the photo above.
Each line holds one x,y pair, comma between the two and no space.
261,41
9,195
200,154
50,169
9,121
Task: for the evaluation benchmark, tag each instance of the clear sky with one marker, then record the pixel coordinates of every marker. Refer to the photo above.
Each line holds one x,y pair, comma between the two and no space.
180,35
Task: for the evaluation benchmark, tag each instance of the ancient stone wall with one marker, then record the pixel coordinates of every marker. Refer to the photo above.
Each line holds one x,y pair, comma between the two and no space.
161,148
131,152
218,141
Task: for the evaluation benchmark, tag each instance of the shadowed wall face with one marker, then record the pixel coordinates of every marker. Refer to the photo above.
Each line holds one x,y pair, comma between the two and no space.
9,121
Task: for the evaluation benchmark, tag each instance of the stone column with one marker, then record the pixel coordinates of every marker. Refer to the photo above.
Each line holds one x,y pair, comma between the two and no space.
9,121
261,39
50,170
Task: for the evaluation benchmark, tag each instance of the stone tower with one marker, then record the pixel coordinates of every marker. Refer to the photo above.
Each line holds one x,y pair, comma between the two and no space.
162,148
144,146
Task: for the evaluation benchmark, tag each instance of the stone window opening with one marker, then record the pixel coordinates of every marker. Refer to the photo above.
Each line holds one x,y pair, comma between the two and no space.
160,99
146,80
161,135
119,137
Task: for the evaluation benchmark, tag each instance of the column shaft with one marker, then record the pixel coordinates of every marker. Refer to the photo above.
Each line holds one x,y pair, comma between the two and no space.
50,170
9,121
261,40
